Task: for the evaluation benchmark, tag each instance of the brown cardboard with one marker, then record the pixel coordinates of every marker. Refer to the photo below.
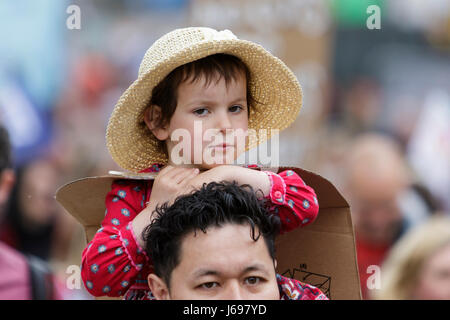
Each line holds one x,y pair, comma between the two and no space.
322,254
84,199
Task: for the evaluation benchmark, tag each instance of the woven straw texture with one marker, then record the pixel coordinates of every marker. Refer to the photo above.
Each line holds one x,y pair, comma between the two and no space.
273,85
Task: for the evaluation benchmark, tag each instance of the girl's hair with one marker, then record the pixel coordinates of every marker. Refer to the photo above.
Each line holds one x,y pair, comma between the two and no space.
214,67
401,270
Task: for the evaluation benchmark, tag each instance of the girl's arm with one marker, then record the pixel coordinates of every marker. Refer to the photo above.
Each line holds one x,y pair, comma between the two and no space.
113,260
292,200
289,196
286,191
170,182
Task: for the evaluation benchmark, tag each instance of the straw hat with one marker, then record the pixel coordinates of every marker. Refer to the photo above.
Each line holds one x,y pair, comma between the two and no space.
273,85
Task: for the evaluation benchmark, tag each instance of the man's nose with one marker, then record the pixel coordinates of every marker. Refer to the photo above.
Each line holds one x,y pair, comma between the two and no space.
234,292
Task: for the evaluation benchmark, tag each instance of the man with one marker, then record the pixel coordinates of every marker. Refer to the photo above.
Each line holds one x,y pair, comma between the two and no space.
218,243
376,178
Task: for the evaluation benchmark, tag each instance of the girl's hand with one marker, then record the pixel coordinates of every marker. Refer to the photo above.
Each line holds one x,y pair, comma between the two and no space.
171,182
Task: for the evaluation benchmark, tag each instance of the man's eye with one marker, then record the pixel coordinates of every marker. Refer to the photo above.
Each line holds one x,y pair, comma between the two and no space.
201,111
253,280
209,285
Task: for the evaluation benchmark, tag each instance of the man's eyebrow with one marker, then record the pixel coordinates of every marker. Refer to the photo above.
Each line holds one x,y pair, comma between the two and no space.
256,267
209,272
205,272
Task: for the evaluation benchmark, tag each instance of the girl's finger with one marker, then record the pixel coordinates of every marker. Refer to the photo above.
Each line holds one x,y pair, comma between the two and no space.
181,177
171,172
164,171
188,178
172,176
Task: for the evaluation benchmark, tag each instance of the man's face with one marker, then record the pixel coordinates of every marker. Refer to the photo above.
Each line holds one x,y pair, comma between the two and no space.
374,203
223,264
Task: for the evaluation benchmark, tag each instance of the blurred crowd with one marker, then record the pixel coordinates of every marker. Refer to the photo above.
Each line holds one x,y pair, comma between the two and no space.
375,118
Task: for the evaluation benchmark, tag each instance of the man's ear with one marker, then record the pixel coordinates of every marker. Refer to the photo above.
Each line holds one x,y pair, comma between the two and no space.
152,118
158,287
275,263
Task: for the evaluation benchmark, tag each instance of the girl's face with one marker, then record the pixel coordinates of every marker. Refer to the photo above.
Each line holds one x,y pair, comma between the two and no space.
212,121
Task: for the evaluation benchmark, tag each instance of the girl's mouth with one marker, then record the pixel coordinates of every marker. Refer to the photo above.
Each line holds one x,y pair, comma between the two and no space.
222,146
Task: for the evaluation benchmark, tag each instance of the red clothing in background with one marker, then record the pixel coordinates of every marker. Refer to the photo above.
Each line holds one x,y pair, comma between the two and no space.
368,255
16,280
14,275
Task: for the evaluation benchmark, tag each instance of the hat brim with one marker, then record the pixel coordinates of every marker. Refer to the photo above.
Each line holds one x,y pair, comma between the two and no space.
275,88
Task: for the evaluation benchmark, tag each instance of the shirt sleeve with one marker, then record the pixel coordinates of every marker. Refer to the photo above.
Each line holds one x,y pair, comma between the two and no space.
292,200
293,289
113,260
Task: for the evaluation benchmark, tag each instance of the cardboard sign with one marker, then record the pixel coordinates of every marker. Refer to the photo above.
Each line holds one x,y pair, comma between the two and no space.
321,254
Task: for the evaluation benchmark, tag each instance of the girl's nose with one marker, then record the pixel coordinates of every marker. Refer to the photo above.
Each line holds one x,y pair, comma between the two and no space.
223,122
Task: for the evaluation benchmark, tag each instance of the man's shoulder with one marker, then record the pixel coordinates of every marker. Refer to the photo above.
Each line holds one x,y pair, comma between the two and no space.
293,289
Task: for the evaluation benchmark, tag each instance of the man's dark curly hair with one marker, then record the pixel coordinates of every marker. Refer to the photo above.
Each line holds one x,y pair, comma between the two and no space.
213,205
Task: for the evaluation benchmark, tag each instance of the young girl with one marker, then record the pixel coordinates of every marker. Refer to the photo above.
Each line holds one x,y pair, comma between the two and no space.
201,85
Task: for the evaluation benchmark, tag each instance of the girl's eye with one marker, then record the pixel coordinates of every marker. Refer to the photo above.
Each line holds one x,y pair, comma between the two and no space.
201,111
209,285
236,108
253,280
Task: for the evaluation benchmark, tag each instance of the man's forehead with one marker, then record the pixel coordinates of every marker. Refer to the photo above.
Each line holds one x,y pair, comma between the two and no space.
208,236
220,244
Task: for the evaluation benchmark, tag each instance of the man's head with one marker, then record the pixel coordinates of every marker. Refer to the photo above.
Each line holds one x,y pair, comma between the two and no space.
216,243
375,177
6,171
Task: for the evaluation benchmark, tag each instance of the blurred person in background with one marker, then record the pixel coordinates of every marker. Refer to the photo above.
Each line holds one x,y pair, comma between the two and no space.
376,178
21,277
418,266
30,224
361,104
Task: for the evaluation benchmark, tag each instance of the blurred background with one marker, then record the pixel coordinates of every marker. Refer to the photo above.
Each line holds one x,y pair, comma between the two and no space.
375,117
